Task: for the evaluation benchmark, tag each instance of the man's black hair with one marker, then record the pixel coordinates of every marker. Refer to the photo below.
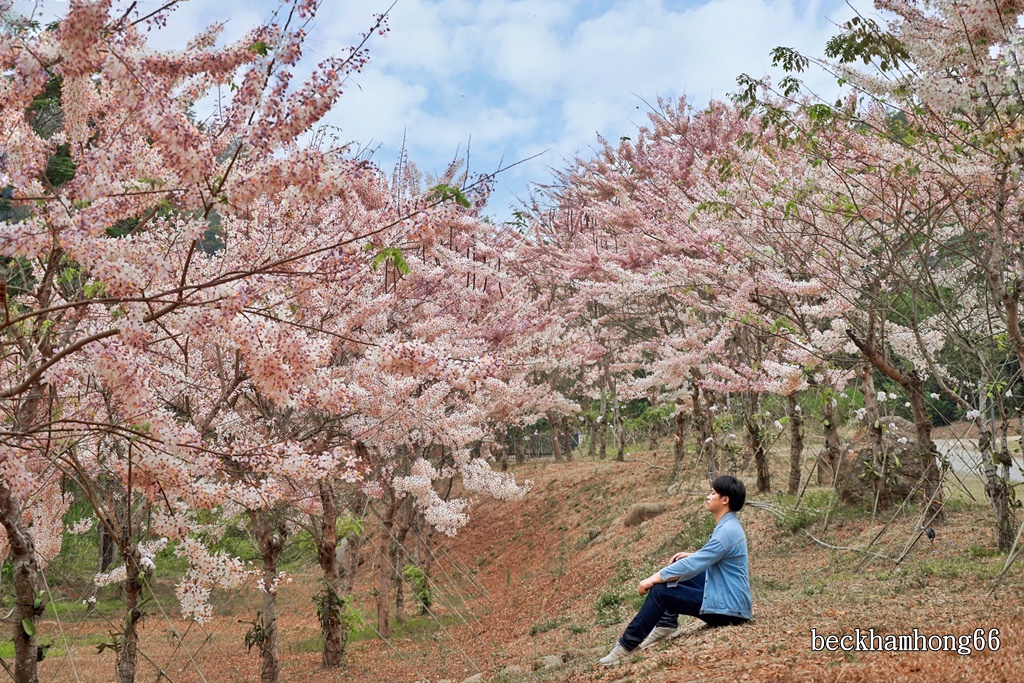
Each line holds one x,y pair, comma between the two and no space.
732,488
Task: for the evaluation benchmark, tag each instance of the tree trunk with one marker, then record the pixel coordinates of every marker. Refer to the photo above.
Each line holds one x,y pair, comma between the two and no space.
620,433
127,656
384,569
872,414
22,553
25,574
566,430
679,447
106,549
828,460
405,518
796,444
602,418
997,487
616,414
556,447
652,443
354,546
998,491
755,441
705,433
926,448
331,623
502,453
270,537
591,436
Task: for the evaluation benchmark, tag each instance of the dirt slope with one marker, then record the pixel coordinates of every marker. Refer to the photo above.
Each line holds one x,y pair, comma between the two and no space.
551,589
555,575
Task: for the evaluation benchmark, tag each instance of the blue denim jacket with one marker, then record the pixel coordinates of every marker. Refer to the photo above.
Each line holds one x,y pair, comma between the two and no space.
724,557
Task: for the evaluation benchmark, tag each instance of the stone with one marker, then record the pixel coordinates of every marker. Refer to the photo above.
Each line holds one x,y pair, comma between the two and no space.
858,479
511,672
475,678
550,662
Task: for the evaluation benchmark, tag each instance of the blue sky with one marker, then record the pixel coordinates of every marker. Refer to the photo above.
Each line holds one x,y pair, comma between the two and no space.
522,77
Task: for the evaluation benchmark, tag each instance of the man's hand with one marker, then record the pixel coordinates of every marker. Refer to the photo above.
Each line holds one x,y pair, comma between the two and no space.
646,585
679,556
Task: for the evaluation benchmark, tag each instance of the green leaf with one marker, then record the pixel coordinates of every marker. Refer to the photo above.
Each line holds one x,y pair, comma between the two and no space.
443,193
789,59
260,48
395,256
28,627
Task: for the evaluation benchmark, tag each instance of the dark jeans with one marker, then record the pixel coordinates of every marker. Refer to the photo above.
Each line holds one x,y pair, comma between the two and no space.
663,605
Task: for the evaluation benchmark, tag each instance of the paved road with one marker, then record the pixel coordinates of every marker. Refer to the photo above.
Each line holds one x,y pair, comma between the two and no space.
964,456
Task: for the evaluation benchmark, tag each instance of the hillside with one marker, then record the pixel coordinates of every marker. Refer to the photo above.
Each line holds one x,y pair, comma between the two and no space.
555,575
552,590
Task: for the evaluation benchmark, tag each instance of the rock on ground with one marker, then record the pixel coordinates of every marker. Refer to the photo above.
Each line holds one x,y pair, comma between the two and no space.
550,662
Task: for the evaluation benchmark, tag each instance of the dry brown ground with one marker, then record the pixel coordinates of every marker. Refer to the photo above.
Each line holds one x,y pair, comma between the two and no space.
528,580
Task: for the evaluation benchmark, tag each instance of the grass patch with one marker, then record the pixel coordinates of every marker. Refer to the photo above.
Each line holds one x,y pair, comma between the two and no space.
75,610
799,514
612,606
309,645
414,628
769,584
546,625
7,650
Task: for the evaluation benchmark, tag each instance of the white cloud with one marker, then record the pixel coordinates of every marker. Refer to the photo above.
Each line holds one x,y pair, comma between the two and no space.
518,76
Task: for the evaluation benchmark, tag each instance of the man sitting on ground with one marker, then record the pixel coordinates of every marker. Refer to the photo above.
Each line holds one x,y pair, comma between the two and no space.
711,584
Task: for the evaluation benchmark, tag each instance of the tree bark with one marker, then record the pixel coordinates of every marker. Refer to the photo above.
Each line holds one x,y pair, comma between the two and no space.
997,487
998,491
872,414
602,418
620,432
828,460
25,574
927,450
353,547
705,434
106,549
25,568
556,447
679,447
502,453
796,444
755,441
331,623
655,432
127,656
567,433
270,538
405,518
384,569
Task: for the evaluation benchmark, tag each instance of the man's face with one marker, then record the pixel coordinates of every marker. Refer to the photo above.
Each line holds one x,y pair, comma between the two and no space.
716,503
